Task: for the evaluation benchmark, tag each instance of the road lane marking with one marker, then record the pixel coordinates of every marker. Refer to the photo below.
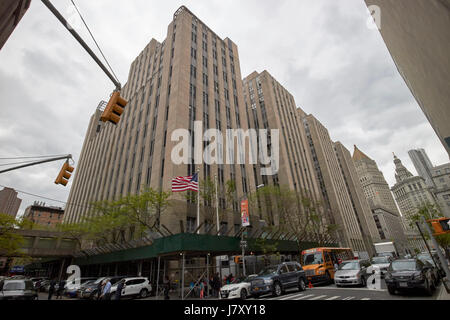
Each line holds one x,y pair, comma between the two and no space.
348,289
292,296
349,298
308,296
333,298
365,299
317,298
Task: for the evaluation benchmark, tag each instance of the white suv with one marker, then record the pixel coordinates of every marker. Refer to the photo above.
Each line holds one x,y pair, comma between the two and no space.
138,286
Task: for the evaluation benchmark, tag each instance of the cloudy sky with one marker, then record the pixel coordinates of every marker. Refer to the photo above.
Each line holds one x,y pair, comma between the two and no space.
321,51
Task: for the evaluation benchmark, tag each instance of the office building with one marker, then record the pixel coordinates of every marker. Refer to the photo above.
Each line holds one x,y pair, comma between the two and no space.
11,12
382,203
417,36
441,180
422,164
9,202
193,75
337,200
411,193
44,215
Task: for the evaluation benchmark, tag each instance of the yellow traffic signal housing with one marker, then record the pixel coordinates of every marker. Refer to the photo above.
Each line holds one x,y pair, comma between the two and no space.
440,226
114,108
237,260
64,174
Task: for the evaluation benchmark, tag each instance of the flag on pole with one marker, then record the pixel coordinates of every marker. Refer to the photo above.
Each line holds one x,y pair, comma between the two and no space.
180,184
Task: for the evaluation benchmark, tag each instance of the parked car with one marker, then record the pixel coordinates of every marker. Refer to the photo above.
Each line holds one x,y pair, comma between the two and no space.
17,290
138,286
37,282
276,279
382,262
409,274
43,286
240,288
72,292
438,270
89,290
352,272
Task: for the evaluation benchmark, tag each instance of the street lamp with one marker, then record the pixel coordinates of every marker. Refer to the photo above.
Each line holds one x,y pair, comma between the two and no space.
243,243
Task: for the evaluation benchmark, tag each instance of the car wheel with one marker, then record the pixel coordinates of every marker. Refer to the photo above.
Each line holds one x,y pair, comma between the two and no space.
428,288
391,290
143,294
301,285
243,294
328,279
277,289
363,282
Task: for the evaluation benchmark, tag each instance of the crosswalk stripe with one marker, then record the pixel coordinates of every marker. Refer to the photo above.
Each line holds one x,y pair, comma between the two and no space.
365,299
317,298
349,298
293,296
304,297
333,298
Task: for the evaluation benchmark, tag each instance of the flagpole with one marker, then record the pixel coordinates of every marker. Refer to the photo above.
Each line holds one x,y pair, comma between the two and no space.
198,202
217,206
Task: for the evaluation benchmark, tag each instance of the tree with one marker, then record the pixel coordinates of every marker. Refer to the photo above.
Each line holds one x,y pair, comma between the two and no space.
430,211
10,240
297,213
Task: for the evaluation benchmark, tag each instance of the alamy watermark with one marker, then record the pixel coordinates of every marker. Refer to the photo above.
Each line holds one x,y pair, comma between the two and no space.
210,147
374,20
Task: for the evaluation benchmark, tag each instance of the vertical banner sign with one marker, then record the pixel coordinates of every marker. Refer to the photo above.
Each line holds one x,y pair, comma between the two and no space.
244,213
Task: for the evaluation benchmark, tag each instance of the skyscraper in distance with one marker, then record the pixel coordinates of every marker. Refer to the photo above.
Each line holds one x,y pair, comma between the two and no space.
422,164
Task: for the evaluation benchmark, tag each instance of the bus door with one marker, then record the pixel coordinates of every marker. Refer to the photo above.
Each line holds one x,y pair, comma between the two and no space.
328,263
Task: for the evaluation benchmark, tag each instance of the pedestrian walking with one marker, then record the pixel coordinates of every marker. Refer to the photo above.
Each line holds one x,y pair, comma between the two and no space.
100,286
202,289
60,291
120,287
166,287
51,289
106,294
216,285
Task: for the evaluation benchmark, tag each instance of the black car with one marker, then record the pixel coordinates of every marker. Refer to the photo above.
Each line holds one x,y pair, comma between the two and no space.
276,279
90,290
409,274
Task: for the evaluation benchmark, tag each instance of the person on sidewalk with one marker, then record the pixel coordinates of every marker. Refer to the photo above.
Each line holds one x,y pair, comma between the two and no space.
166,287
51,289
120,287
216,285
106,294
60,291
100,286
202,289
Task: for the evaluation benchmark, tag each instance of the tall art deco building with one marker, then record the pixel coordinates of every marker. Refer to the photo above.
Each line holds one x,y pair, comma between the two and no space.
193,75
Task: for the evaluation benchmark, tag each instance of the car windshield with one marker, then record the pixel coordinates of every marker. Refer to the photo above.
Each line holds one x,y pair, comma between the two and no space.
403,266
14,286
353,265
313,258
268,270
377,260
240,280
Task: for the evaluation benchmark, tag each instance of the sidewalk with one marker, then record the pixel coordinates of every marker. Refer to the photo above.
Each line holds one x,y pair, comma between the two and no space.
443,294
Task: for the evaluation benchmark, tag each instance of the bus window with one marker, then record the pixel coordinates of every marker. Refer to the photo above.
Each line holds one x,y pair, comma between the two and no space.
312,258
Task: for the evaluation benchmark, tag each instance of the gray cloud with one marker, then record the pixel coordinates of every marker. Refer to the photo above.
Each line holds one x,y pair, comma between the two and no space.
321,51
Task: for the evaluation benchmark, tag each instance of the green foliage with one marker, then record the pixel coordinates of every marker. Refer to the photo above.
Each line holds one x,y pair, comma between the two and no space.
298,214
10,241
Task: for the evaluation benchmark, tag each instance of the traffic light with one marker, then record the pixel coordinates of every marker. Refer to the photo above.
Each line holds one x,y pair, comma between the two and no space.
237,260
440,226
64,174
114,108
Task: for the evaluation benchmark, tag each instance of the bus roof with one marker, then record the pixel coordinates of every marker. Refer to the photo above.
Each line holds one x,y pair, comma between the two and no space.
323,249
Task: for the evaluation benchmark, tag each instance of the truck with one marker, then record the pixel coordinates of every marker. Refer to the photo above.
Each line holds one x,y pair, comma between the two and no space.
386,249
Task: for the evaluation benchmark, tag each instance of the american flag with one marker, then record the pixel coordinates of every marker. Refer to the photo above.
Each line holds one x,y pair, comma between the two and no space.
180,184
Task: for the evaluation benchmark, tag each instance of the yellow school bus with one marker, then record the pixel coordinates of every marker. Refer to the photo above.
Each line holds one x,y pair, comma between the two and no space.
319,263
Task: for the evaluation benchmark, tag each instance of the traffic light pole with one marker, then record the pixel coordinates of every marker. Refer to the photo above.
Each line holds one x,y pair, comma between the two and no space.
58,15
69,156
439,252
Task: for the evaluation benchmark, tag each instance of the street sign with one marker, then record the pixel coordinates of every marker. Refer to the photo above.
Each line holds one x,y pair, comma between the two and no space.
244,244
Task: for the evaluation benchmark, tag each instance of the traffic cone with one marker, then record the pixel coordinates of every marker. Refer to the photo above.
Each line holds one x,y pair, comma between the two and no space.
310,286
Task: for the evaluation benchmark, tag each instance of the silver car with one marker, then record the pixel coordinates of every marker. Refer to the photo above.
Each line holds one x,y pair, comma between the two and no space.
17,290
381,264
352,272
